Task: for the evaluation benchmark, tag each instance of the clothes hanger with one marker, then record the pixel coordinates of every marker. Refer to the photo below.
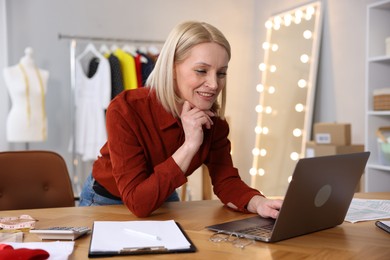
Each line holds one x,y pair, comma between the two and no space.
153,50
90,49
132,50
143,50
104,49
114,47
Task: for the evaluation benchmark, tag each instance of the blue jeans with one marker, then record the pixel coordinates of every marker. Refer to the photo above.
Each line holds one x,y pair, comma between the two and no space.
89,197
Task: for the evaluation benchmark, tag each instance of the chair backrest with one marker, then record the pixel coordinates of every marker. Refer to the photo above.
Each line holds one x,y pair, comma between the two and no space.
34,179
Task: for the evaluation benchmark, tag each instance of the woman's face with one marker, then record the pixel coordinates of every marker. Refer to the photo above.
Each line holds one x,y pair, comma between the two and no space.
202,75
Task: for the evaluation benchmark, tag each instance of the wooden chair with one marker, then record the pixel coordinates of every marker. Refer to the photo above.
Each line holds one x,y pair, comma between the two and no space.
34,179
207,192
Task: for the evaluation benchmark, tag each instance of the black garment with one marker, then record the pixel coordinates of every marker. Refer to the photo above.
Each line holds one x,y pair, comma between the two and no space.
93,66
117,85
146,68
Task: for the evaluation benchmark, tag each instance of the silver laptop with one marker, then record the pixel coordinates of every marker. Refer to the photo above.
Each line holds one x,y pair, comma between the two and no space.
317,198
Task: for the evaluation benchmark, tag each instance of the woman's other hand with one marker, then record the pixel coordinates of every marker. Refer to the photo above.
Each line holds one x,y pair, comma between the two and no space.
266,208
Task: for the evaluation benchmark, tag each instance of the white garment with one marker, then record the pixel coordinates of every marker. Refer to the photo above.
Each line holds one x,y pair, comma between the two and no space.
26,121
92,97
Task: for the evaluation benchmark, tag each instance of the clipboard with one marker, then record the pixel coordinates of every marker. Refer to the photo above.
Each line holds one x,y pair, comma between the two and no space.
138,249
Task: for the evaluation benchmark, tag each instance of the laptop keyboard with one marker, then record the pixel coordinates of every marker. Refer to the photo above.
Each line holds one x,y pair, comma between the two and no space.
263,231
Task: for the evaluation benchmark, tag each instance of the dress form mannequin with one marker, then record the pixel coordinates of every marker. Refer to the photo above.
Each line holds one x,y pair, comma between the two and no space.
27,86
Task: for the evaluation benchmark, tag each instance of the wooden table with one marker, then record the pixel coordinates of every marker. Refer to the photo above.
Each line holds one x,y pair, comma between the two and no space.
361,240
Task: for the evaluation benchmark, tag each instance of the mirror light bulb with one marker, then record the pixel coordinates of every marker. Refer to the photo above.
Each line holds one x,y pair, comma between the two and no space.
268,110
297,132
262,66
261,172
271,90
274,47
268,24
278,20
258,130
310,10
304,58
294,156
308,17
298,13
265,130
298,16
252,171
272,68
299,107
287,19
289,179
259,108
263,152
309,13
307,34
256,151
266,45
298,20
259,88
302,83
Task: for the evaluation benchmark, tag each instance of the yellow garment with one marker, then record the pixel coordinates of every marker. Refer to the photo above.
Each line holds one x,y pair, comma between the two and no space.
128,69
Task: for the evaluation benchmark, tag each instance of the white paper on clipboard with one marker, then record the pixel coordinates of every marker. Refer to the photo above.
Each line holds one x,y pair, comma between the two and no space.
111,236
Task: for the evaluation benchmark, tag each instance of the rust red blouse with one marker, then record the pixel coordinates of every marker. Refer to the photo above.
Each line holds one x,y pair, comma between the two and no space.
136,163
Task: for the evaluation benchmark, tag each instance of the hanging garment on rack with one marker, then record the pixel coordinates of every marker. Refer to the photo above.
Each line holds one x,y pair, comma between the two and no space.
146,68
92,96
138,69
128,69
117,85
116,76
93,65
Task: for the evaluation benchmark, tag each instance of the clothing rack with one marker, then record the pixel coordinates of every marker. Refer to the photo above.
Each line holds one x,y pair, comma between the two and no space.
77,185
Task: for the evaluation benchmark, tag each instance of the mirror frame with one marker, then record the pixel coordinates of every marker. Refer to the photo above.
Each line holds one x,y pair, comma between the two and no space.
285,109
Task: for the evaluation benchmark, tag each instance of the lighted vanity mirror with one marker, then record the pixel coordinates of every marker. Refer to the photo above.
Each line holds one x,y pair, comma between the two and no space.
287,90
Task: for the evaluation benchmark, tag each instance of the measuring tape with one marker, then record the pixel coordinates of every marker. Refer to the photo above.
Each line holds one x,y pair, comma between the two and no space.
23,221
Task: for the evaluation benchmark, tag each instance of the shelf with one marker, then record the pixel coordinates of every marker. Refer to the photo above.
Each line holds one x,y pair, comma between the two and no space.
379,167
378,113
377,175
384,5
385,59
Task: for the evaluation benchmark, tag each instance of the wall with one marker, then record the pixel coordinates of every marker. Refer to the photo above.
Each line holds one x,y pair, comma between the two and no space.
341,95
341,72
3,62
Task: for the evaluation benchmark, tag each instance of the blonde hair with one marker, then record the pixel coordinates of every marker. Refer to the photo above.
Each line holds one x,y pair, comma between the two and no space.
176,48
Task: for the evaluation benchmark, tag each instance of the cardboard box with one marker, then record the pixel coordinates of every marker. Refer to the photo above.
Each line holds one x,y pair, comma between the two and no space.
332,133
313,149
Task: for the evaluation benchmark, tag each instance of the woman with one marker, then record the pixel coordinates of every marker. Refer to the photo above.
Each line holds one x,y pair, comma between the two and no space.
159,135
